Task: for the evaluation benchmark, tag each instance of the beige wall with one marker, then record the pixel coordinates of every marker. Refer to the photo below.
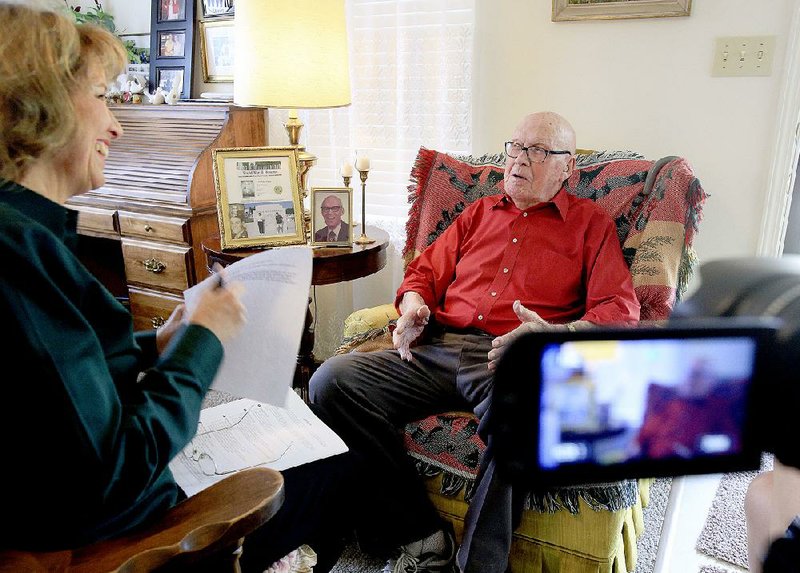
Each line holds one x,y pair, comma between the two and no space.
644,85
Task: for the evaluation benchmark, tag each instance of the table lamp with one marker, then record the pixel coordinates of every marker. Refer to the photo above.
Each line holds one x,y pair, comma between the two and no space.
291,54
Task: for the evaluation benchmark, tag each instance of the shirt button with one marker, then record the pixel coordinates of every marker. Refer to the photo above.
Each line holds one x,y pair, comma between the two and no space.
494,293
480,317
514,240
505,270
524,214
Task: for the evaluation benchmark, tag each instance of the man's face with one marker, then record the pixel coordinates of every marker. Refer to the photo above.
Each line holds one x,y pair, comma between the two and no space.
527,182
332,211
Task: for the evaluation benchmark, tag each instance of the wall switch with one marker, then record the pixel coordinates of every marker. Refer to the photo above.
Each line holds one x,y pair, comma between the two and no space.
743,56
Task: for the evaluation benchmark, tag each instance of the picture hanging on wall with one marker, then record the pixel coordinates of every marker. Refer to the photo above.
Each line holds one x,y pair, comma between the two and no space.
618,9
212,8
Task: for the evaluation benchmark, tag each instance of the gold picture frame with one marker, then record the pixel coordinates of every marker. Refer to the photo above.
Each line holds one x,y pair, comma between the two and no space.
326,218
258,197
216,50
565,10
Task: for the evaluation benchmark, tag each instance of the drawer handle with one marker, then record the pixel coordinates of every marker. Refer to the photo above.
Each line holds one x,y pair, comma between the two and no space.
148,229
154,266
157,321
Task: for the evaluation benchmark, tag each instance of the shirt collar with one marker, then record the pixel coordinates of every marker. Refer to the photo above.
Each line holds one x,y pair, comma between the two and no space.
560,201
61,221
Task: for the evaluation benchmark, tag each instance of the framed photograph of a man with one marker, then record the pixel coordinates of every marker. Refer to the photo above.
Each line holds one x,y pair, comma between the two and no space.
258,197
331,216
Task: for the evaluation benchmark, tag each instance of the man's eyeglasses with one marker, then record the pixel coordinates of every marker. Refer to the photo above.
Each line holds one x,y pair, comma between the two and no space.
331,209
535,154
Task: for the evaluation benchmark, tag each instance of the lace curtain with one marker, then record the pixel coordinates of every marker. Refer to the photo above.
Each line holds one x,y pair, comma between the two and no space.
411,80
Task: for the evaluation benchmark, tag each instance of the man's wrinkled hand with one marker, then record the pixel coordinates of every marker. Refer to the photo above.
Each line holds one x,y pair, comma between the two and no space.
409,328
531,322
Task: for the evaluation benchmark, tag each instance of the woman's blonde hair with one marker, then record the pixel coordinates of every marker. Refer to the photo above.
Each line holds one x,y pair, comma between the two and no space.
44,57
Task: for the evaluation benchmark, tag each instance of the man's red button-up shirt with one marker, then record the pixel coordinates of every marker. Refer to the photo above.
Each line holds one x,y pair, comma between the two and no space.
560,258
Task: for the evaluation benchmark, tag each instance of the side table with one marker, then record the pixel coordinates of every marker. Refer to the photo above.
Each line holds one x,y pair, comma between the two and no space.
330,265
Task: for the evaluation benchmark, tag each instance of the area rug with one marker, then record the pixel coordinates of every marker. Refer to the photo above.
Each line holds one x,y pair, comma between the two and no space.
647,545
724,535
353,561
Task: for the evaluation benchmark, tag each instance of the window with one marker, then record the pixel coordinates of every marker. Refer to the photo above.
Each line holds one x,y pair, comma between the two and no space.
411,78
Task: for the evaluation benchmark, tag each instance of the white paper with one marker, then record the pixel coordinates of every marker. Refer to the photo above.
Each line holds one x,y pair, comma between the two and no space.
246,433
260,361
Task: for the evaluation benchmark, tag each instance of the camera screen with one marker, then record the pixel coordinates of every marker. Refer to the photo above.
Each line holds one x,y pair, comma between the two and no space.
613,401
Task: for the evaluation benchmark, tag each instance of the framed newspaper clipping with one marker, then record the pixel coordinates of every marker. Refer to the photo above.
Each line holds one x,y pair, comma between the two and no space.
258,197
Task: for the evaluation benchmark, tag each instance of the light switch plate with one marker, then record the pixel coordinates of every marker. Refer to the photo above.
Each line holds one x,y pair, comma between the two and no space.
743,56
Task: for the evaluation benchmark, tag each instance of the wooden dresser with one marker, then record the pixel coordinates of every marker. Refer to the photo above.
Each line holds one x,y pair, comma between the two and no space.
159,200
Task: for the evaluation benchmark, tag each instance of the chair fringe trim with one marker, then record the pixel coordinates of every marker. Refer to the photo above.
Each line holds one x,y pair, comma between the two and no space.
350,342
611,496
452,484
607,496
587,159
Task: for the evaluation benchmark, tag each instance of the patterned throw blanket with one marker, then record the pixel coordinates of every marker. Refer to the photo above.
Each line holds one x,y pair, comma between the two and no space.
656,205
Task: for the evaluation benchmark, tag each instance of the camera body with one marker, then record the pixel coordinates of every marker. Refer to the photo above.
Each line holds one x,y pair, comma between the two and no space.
706,393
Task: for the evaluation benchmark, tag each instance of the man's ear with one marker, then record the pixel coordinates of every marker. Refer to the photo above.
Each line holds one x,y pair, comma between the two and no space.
569,167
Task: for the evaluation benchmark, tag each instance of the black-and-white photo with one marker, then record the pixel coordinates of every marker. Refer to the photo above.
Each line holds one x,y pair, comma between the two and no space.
217,8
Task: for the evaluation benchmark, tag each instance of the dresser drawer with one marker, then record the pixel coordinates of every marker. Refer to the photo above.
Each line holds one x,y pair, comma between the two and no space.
151,309
157,265
154,227
94,221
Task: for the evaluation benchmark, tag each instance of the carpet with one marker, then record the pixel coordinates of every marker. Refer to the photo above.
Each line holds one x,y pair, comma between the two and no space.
724,535
353,561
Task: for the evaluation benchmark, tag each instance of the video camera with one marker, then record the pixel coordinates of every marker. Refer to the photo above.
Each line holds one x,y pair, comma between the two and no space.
706,393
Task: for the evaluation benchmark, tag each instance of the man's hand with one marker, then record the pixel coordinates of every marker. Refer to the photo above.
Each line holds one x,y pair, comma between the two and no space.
409,327
531,322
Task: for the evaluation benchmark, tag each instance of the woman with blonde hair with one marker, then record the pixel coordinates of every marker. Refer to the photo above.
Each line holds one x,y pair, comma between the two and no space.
91,423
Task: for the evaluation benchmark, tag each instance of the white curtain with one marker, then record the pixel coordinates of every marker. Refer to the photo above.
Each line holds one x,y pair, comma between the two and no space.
411,79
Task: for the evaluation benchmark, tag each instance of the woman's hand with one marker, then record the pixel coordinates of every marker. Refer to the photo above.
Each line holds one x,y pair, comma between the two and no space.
167,330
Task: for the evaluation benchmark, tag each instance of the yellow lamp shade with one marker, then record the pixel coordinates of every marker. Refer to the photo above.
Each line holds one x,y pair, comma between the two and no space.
291,54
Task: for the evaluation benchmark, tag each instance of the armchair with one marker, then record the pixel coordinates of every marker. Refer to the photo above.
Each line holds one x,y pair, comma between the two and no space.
202,533
657,206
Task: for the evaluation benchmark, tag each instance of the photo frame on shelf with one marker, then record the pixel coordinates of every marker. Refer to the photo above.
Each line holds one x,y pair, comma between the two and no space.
564,10
138,46
258,197
214,8
332,216
171,44
167,77
172,10
216,48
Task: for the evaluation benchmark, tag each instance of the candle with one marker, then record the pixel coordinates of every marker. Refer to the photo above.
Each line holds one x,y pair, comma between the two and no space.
362,163
347,169
292,114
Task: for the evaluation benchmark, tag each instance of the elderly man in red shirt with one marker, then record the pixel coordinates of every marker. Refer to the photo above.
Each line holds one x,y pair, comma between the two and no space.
536,258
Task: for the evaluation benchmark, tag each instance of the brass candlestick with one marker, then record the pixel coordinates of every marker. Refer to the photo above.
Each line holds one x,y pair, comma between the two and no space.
363,239
346,179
